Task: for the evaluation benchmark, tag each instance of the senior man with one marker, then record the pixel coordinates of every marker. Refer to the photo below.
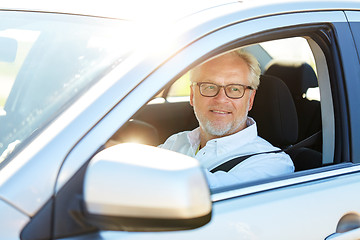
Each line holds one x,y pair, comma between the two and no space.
222,93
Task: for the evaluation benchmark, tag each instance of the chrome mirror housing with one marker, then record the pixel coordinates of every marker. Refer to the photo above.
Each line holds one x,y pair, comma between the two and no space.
135,187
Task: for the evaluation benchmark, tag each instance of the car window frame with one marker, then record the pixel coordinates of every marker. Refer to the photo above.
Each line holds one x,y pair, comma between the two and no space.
249,39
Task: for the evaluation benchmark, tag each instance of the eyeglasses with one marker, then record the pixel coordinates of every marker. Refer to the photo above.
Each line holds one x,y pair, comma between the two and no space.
231,90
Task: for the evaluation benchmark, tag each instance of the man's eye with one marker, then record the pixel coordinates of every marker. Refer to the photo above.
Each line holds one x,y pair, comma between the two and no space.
210,87
235,89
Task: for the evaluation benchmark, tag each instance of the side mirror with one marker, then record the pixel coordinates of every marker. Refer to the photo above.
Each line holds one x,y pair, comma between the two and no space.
136,187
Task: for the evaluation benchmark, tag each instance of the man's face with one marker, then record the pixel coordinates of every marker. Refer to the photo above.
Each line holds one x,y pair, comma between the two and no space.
221,116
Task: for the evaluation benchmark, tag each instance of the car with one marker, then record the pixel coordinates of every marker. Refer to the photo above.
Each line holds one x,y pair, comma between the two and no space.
90,89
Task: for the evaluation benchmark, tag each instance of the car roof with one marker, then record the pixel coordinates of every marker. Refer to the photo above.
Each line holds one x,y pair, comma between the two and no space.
165,10
128,10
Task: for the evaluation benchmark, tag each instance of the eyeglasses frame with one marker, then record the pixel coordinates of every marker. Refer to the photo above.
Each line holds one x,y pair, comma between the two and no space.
223,86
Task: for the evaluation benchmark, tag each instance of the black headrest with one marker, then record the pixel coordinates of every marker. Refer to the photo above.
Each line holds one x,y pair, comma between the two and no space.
274,112
298,76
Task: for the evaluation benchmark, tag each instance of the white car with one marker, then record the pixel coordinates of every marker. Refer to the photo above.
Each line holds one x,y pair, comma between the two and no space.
80,82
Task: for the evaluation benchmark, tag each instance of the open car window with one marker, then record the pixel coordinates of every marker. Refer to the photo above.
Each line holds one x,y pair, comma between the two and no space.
300,61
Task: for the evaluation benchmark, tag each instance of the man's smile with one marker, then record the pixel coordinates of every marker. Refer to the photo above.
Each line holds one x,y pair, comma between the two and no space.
220,112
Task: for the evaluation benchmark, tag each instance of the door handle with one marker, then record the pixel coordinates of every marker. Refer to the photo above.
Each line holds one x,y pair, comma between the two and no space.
348,228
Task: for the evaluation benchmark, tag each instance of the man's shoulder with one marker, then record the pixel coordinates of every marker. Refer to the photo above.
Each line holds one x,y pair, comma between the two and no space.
181,137
259,144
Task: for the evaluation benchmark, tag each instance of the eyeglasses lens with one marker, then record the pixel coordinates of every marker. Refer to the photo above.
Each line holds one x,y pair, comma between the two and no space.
211,90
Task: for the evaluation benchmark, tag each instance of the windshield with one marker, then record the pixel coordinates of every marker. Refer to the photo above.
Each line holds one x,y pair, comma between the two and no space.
47,60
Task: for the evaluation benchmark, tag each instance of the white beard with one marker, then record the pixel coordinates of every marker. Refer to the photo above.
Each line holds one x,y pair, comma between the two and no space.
220,130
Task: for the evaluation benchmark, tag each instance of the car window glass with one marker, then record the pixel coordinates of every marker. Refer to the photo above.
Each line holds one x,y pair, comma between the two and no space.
288,52
46,61
265,52
180,90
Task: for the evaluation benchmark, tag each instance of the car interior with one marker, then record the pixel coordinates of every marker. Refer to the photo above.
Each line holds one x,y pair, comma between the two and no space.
284,115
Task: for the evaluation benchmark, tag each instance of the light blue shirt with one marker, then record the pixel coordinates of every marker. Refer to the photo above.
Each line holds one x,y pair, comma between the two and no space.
220,150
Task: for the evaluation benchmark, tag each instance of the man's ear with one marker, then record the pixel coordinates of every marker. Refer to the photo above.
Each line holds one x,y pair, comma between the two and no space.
252,97
191,95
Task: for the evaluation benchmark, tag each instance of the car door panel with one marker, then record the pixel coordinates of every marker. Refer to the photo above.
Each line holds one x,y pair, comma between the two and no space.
303,210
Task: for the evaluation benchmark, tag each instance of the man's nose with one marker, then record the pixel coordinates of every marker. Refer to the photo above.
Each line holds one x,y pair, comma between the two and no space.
221,96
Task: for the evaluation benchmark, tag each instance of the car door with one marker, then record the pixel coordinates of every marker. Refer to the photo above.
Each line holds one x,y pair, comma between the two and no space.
305,205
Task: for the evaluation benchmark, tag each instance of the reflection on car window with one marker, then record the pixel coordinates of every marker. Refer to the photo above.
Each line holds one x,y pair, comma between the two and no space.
180,90
301,52
46,61
289,53
265,52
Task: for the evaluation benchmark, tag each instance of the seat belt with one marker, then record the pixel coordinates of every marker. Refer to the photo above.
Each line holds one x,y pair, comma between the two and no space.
230,164
305,142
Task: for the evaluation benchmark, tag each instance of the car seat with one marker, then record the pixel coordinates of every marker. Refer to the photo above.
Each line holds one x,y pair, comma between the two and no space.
299,77
275,114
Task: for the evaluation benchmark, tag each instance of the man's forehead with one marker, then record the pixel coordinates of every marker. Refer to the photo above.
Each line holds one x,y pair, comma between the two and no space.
221,70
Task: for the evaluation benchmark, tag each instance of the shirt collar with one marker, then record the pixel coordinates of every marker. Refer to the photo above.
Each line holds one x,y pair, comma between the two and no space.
194,137
226,144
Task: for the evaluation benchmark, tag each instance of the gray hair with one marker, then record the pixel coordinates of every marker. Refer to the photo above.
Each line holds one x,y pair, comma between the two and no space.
254,67
251,61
